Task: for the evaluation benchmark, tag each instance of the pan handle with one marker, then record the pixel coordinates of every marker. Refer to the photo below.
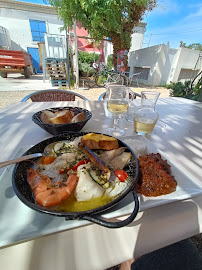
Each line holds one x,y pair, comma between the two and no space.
118,224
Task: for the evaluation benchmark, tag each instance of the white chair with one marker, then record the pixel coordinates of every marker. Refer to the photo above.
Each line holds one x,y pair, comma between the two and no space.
134,77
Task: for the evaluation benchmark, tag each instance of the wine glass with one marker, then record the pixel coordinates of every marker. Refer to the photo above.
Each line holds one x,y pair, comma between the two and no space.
117,104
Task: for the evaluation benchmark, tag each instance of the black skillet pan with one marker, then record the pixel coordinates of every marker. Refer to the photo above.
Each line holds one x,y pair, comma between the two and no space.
25,194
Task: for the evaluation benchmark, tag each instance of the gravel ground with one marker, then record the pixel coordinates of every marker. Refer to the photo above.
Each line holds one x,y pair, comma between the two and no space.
16,87
9,97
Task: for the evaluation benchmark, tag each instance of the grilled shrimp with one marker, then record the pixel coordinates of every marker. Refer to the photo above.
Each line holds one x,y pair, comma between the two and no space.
47,193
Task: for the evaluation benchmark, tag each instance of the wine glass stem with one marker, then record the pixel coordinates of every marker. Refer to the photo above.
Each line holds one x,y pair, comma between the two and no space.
116,122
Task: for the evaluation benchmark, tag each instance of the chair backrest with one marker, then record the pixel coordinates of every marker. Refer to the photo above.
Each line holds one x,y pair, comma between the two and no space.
135,75
53,95
102,96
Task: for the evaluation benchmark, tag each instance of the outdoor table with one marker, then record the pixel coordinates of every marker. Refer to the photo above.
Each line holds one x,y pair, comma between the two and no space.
177,134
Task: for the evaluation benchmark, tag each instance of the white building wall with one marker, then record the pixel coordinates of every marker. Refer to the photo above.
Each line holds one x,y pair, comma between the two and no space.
165,65
159,66
168,70
137,37
19,30
17,23
186,60
147,58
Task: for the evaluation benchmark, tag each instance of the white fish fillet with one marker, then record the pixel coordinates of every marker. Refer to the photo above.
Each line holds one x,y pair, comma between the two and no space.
107,156
52,170
68,157
118,188
86,188
119,162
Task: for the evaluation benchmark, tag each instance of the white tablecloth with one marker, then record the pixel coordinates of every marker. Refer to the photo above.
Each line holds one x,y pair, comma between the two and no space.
178,134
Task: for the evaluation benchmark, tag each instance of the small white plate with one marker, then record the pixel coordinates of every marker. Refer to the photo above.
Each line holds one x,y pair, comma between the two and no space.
187,185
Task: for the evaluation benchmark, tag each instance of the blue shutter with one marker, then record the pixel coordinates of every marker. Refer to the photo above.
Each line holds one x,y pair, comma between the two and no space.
42,27
38,28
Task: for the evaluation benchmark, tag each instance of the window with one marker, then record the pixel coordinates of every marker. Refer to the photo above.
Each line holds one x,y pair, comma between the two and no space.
38,28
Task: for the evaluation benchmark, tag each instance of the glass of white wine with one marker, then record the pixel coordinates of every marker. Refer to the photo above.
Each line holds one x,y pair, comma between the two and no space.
117,104
146,117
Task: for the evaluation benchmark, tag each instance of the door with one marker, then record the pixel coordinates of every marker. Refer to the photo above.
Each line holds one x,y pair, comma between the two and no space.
35,58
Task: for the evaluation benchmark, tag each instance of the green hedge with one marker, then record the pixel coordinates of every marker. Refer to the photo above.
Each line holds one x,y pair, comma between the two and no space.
185,90
89,58
86,61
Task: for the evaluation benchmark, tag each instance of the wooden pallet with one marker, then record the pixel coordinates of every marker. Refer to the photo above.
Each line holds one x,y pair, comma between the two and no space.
59,82
55,63
58,76
55,69
58,71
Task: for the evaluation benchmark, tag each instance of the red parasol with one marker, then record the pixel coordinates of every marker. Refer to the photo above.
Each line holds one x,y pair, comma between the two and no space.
90,46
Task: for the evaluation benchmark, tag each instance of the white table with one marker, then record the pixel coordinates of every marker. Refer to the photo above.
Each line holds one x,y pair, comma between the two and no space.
178,134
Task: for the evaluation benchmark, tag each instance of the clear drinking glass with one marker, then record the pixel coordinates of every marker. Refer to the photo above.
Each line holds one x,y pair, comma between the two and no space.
134,105
146,117
117,104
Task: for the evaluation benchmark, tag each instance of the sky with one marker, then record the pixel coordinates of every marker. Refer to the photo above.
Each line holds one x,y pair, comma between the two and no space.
174,21
171,21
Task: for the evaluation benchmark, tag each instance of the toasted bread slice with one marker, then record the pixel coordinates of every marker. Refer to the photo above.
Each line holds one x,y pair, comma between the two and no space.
78,117
46,116
63,117
99,141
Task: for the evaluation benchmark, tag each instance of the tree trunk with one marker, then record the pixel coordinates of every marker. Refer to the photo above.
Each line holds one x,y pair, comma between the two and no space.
76,57
117,46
